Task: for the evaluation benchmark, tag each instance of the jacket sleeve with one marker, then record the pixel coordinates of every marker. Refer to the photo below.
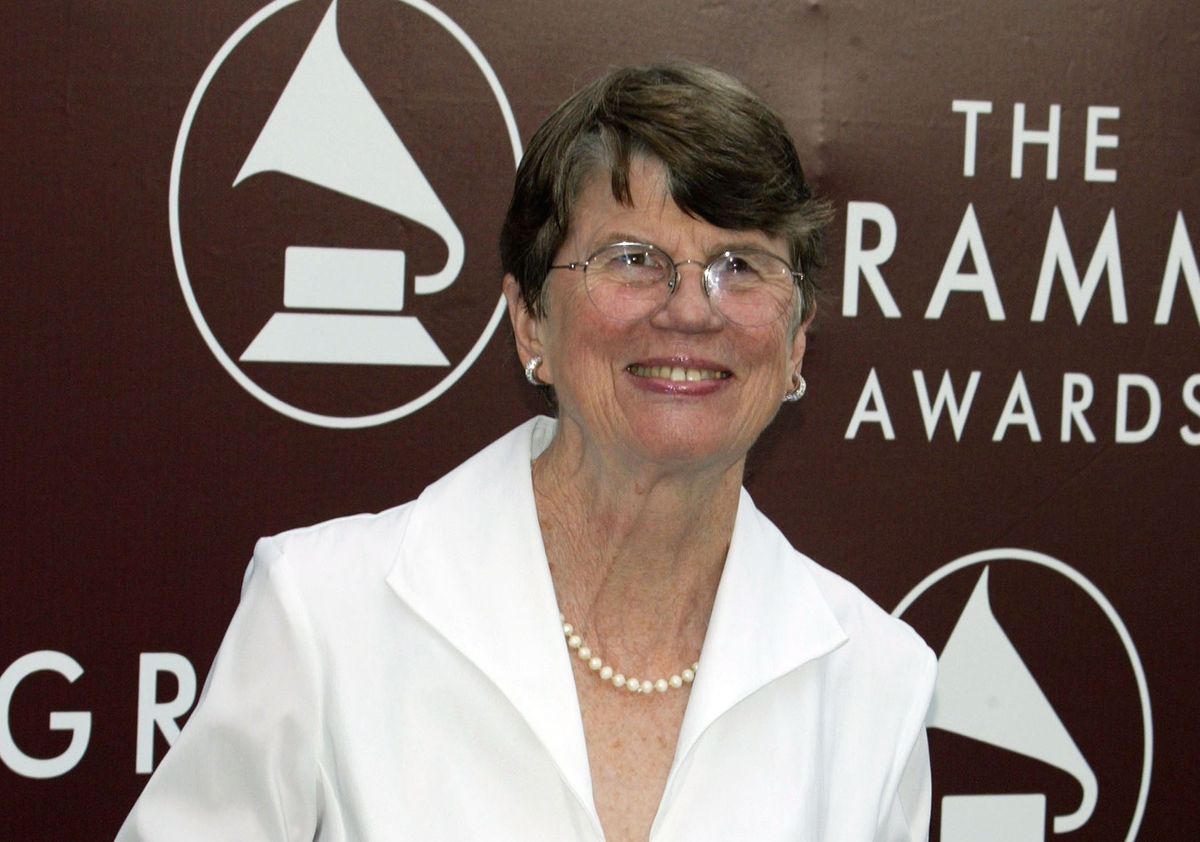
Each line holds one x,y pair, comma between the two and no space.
245,766
908,815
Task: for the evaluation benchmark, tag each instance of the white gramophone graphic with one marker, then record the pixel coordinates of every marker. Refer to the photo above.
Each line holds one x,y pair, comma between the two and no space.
985,692
327,129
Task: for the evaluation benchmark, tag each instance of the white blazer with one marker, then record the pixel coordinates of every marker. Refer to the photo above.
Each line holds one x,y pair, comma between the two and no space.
403,676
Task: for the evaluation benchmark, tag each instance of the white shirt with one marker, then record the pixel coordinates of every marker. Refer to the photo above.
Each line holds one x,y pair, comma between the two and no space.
403,676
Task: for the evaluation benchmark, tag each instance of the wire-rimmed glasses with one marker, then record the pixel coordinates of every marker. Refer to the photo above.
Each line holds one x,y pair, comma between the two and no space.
628,281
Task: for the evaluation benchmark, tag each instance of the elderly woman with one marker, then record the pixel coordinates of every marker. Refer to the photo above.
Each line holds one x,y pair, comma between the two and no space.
587,631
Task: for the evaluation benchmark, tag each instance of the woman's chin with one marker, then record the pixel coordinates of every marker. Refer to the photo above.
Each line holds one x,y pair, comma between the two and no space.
684,447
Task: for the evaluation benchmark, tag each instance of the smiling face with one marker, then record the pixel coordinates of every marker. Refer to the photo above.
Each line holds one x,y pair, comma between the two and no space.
682,387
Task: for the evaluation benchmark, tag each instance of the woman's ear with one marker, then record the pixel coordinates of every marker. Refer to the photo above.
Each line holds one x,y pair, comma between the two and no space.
526,326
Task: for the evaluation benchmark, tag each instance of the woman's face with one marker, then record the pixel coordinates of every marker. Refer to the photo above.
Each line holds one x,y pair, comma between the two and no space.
612,379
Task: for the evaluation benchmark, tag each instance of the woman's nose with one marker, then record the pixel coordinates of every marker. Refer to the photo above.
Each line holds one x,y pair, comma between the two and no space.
688,307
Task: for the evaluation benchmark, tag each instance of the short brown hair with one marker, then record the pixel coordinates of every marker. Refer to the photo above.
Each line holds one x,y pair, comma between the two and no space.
728,158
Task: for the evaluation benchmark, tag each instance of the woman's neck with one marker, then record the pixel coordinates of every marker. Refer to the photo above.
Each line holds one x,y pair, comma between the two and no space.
636,551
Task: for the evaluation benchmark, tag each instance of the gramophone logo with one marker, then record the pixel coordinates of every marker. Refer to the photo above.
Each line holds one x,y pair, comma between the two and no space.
1040,724
337,183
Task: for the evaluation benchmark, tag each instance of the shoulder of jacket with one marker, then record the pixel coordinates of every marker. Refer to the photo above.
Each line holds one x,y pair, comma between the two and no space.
871,630
344,545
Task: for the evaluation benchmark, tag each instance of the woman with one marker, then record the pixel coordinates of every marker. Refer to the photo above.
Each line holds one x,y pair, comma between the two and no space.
587,631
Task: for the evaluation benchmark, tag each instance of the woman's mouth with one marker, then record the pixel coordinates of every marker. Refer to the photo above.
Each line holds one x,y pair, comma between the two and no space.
677,373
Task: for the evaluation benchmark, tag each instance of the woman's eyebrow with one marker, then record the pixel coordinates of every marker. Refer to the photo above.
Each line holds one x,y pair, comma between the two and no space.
720,246
741,245
622,237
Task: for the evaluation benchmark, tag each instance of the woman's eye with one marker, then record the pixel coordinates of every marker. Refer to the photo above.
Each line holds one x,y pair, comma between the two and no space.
641,265
740,266
638,259
736,264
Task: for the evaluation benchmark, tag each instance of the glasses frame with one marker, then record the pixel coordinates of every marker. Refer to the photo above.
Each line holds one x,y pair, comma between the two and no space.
706,280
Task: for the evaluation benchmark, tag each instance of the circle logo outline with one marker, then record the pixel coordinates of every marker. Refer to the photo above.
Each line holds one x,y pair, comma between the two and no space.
1097,596
210,339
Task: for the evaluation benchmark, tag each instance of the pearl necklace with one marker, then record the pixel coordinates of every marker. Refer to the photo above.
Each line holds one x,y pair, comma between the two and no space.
618,679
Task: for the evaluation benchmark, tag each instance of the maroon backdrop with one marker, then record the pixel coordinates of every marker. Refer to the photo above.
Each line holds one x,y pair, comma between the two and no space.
999,439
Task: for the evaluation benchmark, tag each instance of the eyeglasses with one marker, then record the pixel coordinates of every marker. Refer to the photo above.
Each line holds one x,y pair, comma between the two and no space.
629,281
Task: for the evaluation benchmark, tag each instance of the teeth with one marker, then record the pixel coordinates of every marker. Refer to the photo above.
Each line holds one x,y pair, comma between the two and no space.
677,374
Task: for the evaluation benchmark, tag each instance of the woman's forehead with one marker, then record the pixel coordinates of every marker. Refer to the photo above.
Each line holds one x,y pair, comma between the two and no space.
598,217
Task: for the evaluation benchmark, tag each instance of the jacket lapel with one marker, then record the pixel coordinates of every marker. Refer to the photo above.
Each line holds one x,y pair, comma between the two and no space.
473,566
768,619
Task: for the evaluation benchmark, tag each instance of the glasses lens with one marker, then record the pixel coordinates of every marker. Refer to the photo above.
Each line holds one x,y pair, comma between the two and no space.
628,280
751,287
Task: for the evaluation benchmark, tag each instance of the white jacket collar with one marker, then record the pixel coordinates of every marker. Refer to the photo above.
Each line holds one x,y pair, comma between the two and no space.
769,618
473,566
